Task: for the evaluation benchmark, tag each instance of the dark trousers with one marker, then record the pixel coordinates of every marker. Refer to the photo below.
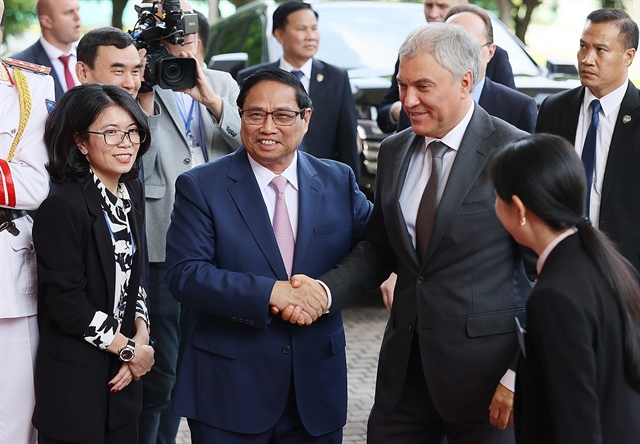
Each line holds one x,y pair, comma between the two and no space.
288,430
125,434
415,419
164,314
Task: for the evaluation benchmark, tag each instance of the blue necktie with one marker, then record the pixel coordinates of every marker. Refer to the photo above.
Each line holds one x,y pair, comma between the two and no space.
589,149
298,74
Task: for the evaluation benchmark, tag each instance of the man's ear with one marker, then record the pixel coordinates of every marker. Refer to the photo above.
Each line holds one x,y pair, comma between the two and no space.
81,72
278,35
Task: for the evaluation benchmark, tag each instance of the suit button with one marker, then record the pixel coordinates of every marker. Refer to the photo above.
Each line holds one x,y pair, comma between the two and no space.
251,323
411,328
420,280
186,161
286,349
234,319
246,321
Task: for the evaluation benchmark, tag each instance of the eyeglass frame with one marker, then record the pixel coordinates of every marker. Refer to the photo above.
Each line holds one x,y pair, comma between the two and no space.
126,134
301,112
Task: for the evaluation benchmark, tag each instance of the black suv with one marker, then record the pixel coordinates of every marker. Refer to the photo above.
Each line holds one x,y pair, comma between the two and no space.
363,37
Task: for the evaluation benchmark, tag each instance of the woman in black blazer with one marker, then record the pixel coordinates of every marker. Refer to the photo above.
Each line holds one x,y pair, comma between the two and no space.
579,371
91,305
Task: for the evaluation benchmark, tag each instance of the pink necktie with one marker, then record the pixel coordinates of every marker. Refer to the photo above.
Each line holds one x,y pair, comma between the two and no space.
67,73
282,225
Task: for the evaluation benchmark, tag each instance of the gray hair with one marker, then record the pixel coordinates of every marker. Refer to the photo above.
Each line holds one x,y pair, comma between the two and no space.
451,45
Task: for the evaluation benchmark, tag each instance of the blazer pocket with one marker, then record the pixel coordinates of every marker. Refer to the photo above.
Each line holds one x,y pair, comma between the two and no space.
154,191
477,207
494,323
220,345
329,228
337,340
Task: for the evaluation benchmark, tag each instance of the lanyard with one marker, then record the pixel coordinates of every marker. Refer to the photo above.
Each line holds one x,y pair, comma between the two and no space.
185,120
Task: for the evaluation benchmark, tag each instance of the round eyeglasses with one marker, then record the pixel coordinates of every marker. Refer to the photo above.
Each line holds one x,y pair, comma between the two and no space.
115,137
281,117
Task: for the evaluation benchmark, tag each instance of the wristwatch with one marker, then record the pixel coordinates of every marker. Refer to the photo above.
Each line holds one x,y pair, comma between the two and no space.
128,352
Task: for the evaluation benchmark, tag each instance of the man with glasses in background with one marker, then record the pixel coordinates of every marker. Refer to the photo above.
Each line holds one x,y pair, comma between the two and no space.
241,227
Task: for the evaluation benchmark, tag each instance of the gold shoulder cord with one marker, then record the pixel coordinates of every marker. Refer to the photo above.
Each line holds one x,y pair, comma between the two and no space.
24,97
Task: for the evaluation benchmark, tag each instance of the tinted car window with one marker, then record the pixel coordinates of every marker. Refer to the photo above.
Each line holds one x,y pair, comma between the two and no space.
254,41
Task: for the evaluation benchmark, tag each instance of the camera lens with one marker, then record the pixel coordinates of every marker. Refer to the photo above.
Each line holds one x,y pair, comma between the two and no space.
176,72
172,72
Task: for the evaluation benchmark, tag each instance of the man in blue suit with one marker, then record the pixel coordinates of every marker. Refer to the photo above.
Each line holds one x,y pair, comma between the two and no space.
246,374
332,132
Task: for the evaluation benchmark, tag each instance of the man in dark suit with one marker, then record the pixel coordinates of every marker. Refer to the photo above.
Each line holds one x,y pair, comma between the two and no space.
246,375
461,279
60,24
332,131
391,117
613,171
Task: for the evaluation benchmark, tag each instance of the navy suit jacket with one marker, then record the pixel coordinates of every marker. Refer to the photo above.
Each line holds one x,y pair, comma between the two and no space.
223,261
332,130
499,70
619,214
36,54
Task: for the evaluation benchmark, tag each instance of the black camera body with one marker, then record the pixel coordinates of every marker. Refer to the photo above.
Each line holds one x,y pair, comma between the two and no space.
162,68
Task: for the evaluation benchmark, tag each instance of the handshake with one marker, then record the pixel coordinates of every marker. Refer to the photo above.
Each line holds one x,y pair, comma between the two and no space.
300,301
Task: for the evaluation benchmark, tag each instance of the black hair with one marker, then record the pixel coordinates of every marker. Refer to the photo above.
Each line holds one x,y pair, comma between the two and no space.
203,29
76,110
547,175
276,75
628,28
87,50
281,14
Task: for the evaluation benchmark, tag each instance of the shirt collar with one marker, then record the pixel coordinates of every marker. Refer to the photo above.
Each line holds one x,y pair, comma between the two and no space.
477,92
609,103
549,248
264,176
454,137
306,68
54,53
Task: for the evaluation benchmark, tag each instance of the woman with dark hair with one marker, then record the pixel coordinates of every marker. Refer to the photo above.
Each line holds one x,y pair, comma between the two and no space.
578,379
91,305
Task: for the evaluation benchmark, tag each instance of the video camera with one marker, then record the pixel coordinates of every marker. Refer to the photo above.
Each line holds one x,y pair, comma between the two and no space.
162,68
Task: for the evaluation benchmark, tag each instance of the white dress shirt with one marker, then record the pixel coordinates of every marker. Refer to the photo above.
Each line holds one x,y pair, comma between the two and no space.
608,117
306,71
54,56
420,170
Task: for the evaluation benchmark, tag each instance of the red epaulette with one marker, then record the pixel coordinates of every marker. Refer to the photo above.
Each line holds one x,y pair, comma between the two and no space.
27,66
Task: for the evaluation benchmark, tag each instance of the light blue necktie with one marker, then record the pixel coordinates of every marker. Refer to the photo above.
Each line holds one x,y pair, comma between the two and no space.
298,74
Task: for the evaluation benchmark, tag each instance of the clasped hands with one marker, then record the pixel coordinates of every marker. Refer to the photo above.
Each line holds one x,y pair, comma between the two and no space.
301,301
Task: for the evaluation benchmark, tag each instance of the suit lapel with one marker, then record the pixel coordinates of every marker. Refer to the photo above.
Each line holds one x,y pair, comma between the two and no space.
167,98
248,199
309,194
622,134
102,235
471,159
570,114
317,72
407,252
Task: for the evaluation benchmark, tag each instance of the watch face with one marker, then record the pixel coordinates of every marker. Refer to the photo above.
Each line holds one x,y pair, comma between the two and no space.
126,354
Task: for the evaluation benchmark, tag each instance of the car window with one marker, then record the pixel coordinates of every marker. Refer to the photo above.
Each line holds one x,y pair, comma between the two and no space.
229,38
253,43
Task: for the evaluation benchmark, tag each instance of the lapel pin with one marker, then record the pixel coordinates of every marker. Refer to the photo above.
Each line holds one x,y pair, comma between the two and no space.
626,118
319,78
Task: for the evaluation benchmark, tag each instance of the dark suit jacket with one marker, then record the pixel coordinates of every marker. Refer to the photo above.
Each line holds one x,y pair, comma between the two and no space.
571,388
36,54
223,261
332,130
76,277
619,214
499,70
510,105
462,299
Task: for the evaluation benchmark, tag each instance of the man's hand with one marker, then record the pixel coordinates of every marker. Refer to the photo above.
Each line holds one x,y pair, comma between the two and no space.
387,288
306,303
501,408
203,91
394,111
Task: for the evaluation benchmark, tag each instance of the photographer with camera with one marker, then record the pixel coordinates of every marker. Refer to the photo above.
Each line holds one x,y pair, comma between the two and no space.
197,123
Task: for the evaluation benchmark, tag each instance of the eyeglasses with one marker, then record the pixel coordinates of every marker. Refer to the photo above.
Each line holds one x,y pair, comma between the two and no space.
116,137
281,118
